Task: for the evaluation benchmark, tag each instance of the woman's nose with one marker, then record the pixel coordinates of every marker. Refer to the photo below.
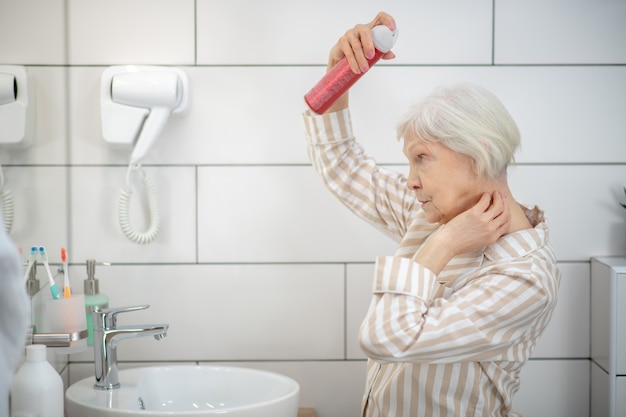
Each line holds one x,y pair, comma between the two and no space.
413,181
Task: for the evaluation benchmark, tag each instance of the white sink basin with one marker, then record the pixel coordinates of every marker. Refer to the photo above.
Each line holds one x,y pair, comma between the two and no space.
194,391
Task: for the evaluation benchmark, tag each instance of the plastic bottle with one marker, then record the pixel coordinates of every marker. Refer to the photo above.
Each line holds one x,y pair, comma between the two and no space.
93,298
37,388
340,77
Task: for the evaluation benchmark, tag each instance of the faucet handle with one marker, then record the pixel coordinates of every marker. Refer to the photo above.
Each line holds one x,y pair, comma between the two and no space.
108,316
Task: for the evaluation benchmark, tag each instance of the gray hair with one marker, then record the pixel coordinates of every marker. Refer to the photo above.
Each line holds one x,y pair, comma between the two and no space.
471,121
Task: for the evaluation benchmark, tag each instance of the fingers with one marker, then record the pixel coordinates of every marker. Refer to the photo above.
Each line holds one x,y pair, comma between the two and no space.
357,44
358,48
492,204
383,18
499,215
388,55
491,212
484,202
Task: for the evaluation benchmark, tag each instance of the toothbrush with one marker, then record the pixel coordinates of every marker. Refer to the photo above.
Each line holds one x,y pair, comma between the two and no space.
66,279
53,286
32,258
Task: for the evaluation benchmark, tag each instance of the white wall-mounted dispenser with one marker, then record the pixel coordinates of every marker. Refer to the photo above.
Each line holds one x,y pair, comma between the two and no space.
17,107
136,102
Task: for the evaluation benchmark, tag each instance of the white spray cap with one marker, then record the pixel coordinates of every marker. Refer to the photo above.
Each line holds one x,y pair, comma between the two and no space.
384,38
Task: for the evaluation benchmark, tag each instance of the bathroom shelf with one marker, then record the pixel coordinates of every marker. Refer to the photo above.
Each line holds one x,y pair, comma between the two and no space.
55,339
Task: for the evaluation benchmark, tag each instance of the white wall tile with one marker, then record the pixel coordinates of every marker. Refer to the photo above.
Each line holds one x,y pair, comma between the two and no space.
230,312
567,334
78,370
303,33
41,213
95,224
567,114
555,388
234,117
32,32
581,203
359,282
560,32
138,32
278,214
452,32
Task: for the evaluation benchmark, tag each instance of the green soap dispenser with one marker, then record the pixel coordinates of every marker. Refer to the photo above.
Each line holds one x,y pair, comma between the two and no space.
93,298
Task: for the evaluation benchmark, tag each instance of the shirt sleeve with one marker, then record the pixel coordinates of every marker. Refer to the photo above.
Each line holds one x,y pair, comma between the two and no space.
373,193
495,316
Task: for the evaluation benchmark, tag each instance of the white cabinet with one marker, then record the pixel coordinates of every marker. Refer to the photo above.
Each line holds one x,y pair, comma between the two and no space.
608,337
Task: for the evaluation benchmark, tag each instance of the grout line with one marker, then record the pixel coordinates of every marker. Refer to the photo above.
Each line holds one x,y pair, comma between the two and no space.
201,361
195,33
288,165
197,218
384,65
320,360
67,120
285,263
345,311
493,32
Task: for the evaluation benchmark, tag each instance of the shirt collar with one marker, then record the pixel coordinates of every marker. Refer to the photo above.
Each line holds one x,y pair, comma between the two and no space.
518,244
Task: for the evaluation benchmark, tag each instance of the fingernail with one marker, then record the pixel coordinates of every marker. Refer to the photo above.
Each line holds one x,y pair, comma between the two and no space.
370,55
364,68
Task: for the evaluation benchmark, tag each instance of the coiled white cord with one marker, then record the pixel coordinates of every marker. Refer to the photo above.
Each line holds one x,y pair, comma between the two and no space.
155,218
8,208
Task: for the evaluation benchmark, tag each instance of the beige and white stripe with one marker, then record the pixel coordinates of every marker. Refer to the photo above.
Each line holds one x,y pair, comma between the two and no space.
447,345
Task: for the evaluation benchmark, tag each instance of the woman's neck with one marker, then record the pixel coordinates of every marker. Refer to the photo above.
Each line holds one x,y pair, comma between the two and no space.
519,221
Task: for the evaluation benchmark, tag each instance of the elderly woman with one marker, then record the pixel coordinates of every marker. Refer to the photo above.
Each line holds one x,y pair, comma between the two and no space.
457,310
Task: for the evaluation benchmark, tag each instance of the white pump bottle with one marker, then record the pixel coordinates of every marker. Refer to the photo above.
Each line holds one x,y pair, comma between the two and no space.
37,388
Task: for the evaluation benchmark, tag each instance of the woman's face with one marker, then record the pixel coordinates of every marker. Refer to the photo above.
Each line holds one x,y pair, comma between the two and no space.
443,181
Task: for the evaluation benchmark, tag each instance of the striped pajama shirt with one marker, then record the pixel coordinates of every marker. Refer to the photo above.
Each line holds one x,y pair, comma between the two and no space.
451,344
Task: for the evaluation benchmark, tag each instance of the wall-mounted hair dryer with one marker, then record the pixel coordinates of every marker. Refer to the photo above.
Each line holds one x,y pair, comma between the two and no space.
136,102
17,107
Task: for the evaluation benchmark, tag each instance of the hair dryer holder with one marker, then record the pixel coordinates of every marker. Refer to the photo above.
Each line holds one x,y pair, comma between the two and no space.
136,102
17,107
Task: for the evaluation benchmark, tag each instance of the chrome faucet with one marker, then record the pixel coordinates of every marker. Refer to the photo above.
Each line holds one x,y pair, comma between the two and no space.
106,336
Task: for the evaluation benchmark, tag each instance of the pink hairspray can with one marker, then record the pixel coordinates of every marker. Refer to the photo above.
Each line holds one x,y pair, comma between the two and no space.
340,77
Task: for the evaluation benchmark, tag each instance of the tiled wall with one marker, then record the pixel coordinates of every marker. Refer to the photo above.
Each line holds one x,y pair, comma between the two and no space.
256,265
